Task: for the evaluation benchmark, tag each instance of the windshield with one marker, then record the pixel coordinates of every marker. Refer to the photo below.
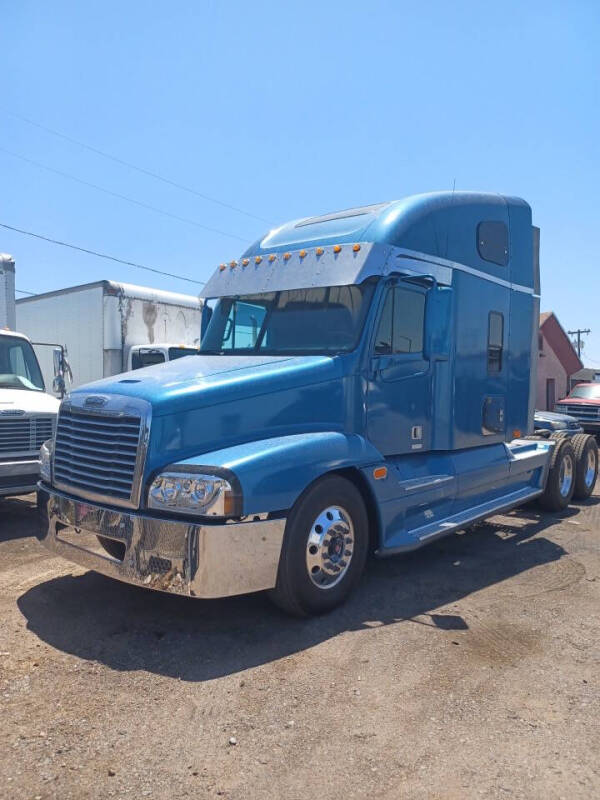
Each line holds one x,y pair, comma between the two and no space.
19,368
589,392
296,321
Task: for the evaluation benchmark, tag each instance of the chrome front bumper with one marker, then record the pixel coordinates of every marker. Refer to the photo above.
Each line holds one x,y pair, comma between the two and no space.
194,559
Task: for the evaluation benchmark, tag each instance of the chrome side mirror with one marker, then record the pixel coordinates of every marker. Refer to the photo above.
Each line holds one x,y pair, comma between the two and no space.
57,358
62,371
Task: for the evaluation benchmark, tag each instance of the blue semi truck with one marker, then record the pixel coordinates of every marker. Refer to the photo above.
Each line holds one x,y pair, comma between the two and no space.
366,381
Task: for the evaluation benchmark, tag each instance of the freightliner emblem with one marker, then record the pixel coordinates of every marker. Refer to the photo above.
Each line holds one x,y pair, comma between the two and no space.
95,401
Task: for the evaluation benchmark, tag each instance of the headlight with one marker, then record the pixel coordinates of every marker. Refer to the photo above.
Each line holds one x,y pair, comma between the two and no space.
46,461
193,493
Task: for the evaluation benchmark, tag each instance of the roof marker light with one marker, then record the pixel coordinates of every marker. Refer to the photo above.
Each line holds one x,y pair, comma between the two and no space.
356,248
222,267
302,253
272,257
319,251
233,264
337,248
258,259
287,256
245,262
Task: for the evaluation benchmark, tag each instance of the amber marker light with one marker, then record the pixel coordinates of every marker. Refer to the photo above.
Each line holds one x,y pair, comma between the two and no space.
245,262
319,251
258,259
272,257
302,253
222,267
517,434
337,248
233,264
287,256
356,248
379,473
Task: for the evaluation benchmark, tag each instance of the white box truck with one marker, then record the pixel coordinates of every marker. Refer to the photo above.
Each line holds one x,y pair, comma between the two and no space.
109,327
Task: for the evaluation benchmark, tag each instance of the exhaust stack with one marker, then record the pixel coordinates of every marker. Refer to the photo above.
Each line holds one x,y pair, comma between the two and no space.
7,292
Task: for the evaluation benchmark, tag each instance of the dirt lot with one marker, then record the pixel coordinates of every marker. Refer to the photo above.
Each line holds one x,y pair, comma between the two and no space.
468,669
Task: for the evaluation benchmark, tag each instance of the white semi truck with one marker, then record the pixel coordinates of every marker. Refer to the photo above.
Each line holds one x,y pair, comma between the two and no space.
108,327
27,411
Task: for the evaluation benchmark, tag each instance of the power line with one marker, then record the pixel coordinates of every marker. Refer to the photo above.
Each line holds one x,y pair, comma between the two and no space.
128,164
121,196
22,291
100,255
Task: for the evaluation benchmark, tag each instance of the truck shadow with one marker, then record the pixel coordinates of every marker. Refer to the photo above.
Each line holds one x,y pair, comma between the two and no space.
18,517
128,628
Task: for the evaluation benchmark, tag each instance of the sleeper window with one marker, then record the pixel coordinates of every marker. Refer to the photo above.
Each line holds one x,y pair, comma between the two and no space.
401,324
495,341
492,242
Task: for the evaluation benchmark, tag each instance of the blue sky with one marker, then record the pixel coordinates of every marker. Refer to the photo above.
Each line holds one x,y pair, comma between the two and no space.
292,109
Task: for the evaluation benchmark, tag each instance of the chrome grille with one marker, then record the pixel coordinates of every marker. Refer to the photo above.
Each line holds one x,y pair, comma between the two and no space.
97,453
580,411
24,434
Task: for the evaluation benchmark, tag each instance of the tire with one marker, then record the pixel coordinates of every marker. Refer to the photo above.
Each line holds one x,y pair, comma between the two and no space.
561,476
324,548
586,465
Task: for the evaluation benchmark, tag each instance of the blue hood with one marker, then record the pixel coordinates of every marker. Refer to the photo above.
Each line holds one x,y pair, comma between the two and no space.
196,382
204,403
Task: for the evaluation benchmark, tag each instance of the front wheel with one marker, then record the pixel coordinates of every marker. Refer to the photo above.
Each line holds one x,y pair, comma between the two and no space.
324,548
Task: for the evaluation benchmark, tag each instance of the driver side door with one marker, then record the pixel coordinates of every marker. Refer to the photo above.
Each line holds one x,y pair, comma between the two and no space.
399,387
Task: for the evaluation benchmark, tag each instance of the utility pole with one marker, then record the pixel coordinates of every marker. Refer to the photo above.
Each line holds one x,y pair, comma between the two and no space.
578,333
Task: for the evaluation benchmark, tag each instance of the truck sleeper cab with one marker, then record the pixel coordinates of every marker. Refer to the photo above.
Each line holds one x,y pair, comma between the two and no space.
365,380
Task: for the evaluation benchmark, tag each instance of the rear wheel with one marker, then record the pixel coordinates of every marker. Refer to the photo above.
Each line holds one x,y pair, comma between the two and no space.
561,476
324,548
586,465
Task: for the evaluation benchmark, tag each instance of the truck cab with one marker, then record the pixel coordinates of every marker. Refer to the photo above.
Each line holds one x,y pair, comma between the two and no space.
27,414
365,381
147,355
583,403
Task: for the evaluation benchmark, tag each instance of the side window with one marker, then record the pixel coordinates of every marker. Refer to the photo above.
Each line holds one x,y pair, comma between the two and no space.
383,340
492,242
401,324
409,320
495,342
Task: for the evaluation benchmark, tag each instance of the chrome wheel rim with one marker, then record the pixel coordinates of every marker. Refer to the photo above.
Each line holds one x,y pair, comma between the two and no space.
566,475
590,468
330,547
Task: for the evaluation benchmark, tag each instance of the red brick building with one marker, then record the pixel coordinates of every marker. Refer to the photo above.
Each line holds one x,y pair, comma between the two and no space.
556,363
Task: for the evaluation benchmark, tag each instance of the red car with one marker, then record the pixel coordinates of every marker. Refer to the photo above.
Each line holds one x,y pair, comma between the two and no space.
584,404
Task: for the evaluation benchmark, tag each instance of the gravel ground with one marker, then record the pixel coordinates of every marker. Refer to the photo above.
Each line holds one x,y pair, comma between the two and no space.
468,669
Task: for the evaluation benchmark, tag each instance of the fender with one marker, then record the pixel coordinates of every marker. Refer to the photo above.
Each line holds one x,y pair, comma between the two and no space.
273,473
